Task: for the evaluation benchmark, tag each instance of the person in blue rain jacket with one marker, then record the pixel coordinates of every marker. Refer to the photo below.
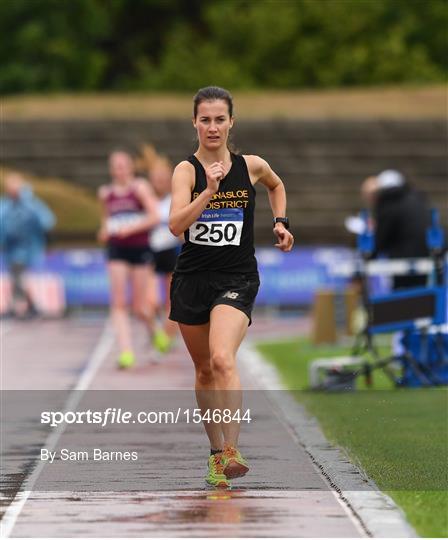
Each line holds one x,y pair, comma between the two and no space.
24,223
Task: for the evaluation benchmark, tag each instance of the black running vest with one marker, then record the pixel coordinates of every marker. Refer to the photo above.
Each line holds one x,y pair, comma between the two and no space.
222,238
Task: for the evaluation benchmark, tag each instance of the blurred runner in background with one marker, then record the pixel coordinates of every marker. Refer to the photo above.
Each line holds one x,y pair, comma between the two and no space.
130,211
164,245
25,221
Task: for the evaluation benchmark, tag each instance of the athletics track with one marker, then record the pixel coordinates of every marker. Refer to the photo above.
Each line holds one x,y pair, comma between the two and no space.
77,353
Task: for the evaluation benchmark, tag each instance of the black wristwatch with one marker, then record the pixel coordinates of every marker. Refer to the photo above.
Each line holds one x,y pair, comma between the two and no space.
283,220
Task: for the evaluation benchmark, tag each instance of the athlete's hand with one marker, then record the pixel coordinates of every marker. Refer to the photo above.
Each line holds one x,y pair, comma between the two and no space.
214,173
125,231
284,237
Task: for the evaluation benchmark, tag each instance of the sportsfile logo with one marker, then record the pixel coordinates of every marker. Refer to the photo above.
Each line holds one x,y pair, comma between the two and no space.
117,415
231,295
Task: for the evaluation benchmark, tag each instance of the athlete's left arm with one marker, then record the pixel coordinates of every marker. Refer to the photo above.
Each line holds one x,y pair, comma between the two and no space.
151,207
260,171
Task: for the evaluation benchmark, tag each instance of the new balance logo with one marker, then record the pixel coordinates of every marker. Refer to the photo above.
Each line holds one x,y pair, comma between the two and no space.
231,295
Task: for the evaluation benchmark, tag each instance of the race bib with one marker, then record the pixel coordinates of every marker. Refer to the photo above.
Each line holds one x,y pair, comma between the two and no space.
161,238
120,221
221,227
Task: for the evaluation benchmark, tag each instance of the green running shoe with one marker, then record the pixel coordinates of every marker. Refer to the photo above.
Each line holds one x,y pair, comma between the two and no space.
215,476
233,463
126,360
161,340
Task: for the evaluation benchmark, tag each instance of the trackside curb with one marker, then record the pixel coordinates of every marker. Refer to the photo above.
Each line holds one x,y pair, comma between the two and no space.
376,512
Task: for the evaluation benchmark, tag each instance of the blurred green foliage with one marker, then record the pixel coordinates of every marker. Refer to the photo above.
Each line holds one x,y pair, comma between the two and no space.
177,45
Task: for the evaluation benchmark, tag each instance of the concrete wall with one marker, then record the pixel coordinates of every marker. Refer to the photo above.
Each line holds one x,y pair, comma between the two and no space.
321,162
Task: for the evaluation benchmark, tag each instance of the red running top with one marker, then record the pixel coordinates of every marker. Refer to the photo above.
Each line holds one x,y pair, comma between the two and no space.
124,210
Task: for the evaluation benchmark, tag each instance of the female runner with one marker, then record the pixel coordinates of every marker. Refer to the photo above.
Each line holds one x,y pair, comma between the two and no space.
164,246
216,278
129,211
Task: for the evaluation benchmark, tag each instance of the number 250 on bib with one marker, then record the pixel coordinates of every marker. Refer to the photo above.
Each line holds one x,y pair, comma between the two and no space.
218,228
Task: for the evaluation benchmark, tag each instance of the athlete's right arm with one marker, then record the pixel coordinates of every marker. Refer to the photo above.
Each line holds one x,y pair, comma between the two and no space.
183,211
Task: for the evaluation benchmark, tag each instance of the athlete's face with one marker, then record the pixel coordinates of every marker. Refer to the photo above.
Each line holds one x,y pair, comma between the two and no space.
121,167
213,123
160,178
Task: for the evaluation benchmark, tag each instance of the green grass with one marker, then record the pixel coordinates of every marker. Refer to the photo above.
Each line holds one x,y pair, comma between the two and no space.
398,437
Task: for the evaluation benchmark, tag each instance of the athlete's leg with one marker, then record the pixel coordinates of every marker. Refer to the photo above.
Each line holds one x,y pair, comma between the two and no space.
228,326
166,329
196,339
170,326
152,295
142,276
119,276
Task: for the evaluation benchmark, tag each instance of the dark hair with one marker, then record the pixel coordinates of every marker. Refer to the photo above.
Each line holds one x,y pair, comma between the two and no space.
211,93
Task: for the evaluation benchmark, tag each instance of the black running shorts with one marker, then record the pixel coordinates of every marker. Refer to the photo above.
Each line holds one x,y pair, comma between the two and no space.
193,296
166,260
133,255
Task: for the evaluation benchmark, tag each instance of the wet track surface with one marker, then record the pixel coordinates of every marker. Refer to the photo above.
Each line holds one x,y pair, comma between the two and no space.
283,495
236,513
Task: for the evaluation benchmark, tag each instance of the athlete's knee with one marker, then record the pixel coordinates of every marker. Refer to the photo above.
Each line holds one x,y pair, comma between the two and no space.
139,310
203,370
119,304
223,363
204,375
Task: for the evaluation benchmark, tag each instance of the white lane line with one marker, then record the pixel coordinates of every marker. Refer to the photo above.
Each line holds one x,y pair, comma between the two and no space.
365,504
268,377
96,359
362,531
